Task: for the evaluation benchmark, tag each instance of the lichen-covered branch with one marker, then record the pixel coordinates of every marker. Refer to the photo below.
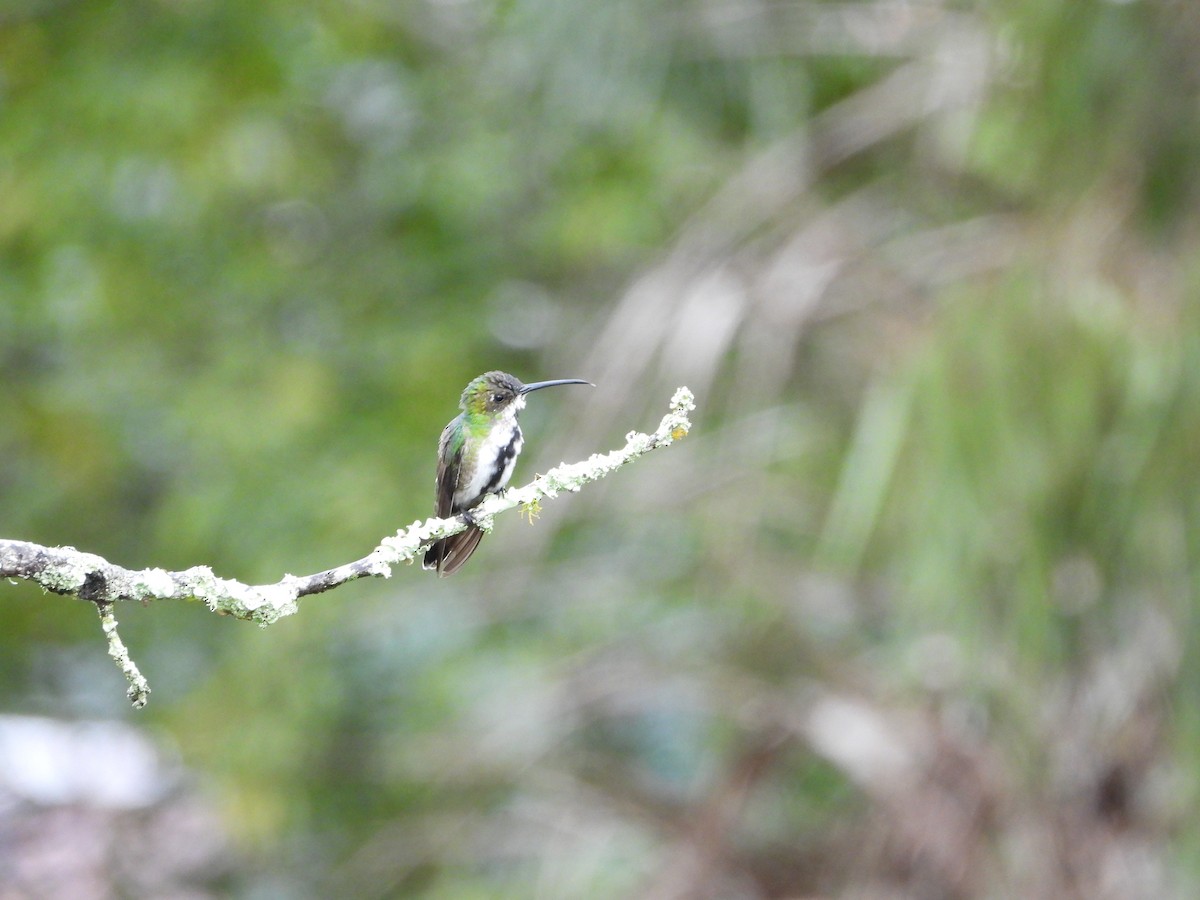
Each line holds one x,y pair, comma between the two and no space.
65,570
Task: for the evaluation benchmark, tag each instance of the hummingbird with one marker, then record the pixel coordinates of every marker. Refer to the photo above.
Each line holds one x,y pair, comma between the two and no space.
476,455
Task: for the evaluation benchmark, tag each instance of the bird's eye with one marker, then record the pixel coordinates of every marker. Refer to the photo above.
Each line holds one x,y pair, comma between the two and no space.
496,398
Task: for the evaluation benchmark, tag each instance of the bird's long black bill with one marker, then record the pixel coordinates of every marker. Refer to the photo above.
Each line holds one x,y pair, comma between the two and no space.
538,385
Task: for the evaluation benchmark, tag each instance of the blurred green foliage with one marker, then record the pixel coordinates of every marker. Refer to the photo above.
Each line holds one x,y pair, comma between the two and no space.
930,268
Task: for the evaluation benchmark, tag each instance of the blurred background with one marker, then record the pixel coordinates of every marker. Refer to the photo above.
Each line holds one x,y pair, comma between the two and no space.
909,614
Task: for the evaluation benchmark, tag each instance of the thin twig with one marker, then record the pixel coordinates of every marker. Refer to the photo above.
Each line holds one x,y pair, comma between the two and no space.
139,689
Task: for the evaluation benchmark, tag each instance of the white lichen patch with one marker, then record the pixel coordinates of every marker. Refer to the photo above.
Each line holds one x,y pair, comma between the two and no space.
152,583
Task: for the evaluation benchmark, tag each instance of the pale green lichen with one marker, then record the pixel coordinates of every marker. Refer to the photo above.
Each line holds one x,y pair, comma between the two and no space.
531,510
70,571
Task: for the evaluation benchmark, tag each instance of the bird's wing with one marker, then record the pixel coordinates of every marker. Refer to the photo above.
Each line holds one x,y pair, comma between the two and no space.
448,472
448,554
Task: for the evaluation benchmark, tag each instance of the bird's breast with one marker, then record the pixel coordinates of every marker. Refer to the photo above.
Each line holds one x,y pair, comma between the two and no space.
497,455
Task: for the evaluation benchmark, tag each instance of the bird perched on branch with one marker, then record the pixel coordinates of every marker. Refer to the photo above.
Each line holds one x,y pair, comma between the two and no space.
476,454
